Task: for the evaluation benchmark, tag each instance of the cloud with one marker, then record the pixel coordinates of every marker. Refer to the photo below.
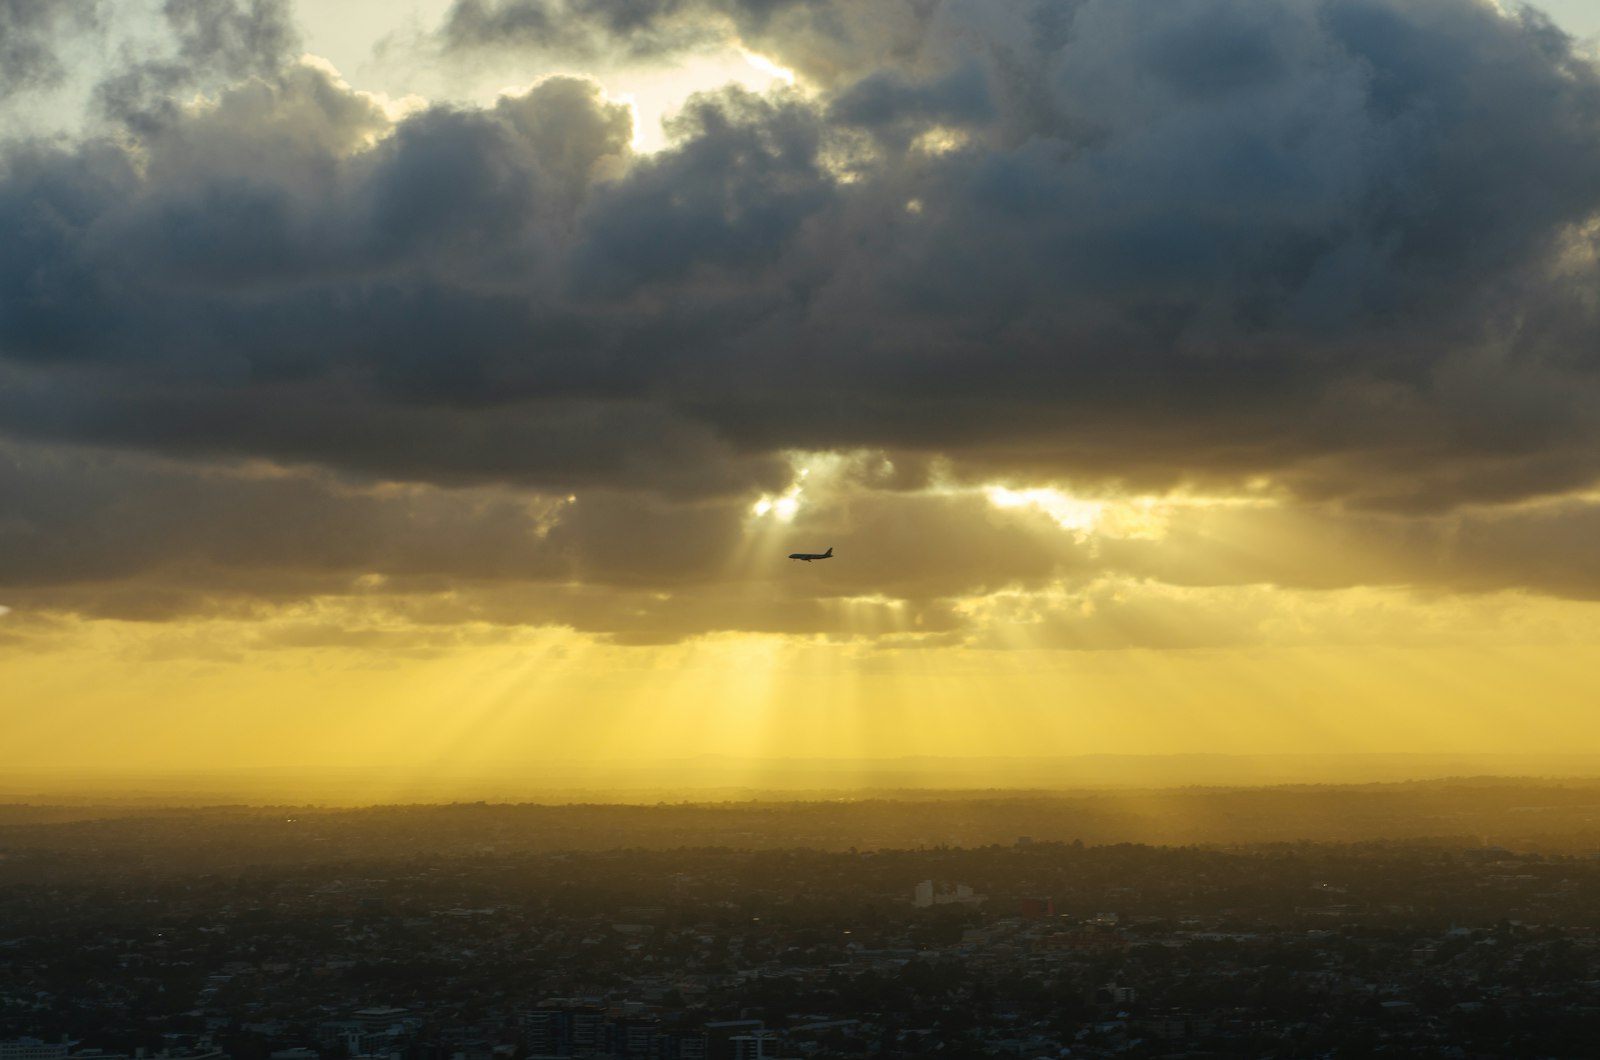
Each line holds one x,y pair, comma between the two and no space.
29,33
825,39
123,536
1282,240
579,28
211,42
1344,245
85,516
1115,614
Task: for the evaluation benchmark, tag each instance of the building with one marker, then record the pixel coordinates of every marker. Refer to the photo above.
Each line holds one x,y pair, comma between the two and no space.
1036,908
927,894
33,1049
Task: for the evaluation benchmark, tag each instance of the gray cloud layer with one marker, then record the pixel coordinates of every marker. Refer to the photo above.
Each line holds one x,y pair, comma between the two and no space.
1348,244
128,536
29,34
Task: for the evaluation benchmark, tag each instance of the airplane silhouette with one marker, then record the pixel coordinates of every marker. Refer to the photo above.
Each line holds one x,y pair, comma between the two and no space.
809,556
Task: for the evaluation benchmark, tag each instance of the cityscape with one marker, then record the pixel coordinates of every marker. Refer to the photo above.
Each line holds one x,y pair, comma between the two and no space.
482,931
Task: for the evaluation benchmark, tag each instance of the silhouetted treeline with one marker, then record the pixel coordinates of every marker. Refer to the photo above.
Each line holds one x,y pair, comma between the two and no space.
1529,815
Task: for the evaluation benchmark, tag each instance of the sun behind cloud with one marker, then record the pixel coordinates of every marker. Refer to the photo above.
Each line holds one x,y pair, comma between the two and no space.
1165,377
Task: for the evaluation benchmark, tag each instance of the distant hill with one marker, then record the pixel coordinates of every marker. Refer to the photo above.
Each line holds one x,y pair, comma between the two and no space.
715,778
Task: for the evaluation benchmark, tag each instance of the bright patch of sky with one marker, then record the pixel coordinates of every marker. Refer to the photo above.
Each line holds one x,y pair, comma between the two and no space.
378,46
1581,18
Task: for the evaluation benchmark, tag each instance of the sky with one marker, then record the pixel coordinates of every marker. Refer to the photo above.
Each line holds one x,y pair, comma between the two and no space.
443,385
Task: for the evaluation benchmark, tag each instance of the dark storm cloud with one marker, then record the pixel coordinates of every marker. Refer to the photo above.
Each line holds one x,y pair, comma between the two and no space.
1284,238
961,99
1347,244
261,287
119,535
582,27
728,205
29,33
235,38
92,516
588,28
108,535
213,42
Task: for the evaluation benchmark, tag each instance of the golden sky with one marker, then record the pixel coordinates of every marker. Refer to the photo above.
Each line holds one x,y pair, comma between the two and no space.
443,386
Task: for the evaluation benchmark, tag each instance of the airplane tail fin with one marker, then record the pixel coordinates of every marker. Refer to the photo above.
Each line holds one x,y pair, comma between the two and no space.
829,552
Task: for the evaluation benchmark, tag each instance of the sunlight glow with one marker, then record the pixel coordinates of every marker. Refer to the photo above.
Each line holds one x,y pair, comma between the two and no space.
1141,518
820,476
1029,579
439,701
940,140
1069,513
767,66
783,507
396,109
655,93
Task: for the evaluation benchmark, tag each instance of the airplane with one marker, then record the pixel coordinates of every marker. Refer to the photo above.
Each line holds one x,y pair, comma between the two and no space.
809,556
